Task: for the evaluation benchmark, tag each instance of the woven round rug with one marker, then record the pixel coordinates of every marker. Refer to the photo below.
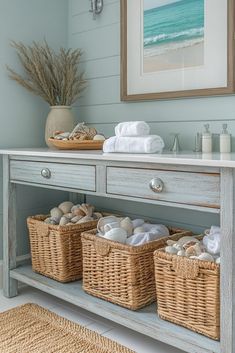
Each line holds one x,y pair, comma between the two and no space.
33,329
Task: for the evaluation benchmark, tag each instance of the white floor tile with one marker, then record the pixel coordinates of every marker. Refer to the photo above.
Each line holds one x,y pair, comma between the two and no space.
129,338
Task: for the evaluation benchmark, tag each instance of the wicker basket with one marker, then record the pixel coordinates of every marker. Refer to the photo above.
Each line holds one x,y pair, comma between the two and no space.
188,292
56,251
120,273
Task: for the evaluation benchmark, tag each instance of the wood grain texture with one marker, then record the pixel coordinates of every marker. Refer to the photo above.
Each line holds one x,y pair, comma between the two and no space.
187,188
82,177
10,285
229,89
227,280
144,321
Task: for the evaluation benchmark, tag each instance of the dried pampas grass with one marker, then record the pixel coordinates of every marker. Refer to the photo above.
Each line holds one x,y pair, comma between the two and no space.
53,76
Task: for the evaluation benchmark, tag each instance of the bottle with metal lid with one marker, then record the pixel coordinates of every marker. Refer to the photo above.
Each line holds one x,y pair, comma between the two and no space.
207,140
225,140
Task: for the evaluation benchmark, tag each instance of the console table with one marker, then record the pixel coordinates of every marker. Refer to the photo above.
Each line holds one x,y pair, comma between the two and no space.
198,182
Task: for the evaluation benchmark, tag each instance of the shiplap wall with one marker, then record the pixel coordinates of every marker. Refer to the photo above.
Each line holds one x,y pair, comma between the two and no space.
23,115
101,107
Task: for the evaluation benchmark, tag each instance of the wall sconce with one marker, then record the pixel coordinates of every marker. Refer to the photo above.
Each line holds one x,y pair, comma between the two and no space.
96,7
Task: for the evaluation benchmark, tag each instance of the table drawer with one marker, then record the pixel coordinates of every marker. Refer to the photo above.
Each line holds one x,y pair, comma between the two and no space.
81,177
199,189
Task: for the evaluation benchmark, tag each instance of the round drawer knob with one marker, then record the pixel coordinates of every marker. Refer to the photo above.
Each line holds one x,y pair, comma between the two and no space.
156,185
46,173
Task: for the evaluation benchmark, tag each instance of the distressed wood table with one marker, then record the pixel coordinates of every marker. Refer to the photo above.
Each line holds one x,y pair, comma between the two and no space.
189,181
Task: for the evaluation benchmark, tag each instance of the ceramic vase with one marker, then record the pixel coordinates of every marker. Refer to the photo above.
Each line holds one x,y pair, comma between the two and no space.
60,118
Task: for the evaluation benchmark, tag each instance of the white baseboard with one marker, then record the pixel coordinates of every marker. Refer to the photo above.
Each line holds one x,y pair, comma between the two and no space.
19,259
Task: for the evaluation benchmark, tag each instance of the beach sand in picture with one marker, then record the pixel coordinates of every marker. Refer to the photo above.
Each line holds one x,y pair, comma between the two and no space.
186,57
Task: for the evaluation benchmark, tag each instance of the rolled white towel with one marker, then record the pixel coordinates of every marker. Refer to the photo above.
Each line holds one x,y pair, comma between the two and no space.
132,128
141,144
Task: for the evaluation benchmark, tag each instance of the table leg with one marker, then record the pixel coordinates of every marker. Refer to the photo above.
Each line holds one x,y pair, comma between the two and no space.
227,277
10,285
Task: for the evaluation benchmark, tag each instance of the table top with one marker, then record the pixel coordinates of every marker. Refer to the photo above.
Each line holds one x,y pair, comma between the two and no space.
226,160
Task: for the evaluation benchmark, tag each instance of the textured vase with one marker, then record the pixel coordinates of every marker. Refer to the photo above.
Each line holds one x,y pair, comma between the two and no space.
60,118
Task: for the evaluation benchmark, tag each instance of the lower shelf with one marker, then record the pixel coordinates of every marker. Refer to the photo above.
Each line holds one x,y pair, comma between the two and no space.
144,321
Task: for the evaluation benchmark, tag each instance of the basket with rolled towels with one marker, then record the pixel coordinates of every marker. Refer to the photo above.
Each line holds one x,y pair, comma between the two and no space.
133,137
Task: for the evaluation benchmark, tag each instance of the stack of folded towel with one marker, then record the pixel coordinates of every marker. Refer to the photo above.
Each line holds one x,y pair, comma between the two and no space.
133,137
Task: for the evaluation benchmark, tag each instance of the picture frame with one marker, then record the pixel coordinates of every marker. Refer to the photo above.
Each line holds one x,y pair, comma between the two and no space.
137,85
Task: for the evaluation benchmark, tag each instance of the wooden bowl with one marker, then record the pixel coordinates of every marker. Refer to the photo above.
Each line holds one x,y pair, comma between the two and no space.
77,145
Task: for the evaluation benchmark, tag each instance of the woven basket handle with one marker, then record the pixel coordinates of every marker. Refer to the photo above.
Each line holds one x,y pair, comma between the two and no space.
42,229
186,268
102,247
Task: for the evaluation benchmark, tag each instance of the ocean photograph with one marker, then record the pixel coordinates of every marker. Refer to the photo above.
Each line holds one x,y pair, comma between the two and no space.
173,34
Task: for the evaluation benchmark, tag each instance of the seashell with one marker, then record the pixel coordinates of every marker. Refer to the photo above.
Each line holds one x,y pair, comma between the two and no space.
64,220
218,260
56,219
76,219
189,244
194,257
99,138
177,246
186,239
62,136
47,220
126,224
85,219
206,257
105,220
87,209
79,212
97,215
171,250
194,250
69,215
116,234
139,230
70,224
56,212
137,223
66,206
171,242
181,253
75,207
82,129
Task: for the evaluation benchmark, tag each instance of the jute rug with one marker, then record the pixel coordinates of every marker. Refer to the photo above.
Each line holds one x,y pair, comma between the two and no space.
32,329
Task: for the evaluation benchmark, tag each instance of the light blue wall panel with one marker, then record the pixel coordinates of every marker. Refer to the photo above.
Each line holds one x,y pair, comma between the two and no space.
101,107
22,114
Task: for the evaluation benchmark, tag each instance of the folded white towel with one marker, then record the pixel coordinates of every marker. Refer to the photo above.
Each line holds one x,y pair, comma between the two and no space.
132,128
141,144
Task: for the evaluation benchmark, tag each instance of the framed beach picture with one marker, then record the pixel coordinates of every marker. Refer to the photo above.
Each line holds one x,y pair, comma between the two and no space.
176,48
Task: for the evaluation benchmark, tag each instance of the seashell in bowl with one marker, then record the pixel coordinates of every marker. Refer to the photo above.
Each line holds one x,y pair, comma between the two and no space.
99,137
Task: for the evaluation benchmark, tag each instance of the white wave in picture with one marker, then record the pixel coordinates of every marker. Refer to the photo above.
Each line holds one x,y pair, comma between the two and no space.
194,32
166,48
